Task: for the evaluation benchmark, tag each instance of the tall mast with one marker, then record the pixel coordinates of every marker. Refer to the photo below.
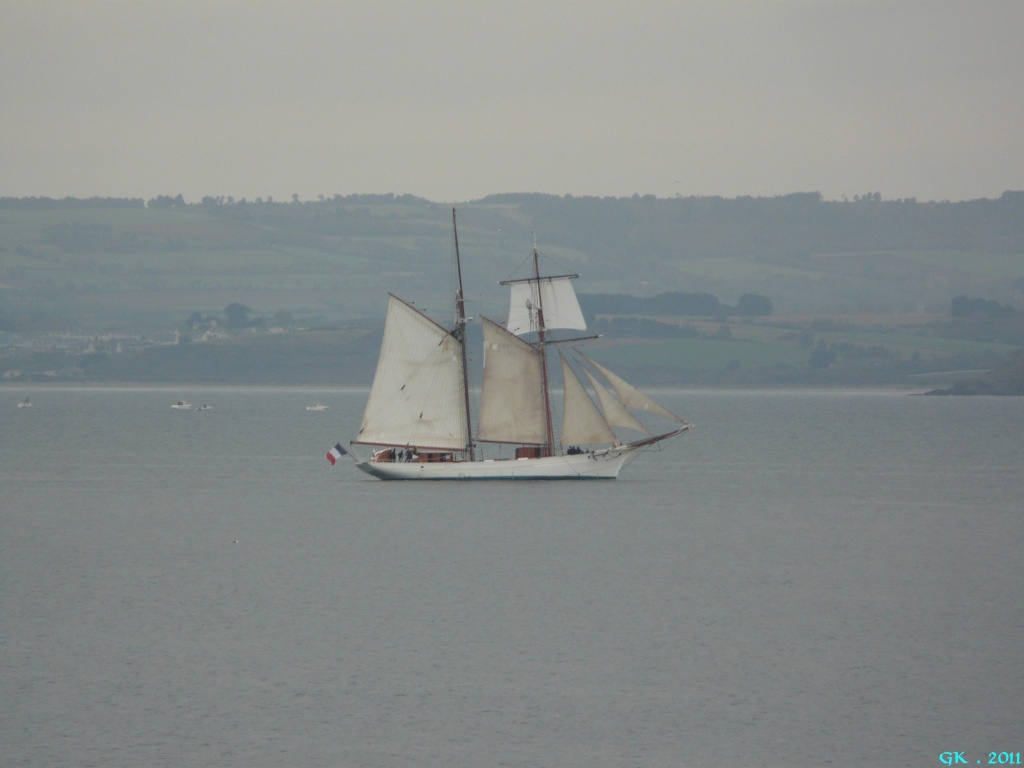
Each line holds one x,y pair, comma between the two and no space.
541,337
460,334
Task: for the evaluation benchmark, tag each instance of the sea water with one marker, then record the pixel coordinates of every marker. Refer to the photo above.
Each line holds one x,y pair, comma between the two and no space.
806,579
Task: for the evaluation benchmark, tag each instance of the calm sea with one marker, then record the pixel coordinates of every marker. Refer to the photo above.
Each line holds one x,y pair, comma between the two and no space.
807,579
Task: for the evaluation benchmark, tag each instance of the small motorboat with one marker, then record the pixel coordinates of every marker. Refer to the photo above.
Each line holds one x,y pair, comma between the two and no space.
182,405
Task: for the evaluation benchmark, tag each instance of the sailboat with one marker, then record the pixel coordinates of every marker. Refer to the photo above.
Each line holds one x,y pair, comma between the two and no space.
418,423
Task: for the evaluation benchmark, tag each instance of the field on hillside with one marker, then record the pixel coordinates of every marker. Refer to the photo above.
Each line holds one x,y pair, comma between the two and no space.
865,348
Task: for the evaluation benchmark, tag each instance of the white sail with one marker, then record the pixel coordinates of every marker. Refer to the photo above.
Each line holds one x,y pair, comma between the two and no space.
417,397
512,394
631,396
582,422
615,413
554,294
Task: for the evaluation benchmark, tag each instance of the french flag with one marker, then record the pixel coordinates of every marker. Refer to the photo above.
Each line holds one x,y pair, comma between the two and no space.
336,453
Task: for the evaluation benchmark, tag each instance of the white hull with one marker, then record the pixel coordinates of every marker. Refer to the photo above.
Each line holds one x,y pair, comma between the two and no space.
601,465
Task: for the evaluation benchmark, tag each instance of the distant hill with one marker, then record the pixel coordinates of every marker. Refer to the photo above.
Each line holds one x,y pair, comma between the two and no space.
787,290
104,262
1005,379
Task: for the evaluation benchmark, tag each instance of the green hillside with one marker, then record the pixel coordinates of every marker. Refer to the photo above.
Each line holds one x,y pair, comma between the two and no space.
866,285
109,260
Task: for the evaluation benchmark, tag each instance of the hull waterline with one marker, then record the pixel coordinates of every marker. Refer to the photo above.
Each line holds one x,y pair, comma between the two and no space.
604,466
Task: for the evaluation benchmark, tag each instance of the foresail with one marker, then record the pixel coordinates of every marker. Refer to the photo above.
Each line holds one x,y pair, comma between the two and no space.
511,397
630,395
615,413
417,397
582,422
557,298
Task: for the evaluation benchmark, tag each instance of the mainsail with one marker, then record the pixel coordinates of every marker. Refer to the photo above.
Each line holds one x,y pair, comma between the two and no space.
511,395
417,397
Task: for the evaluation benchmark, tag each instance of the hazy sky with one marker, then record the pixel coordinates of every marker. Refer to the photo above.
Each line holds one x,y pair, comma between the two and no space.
452,100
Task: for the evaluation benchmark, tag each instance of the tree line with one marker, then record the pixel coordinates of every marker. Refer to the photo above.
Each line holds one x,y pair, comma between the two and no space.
650,229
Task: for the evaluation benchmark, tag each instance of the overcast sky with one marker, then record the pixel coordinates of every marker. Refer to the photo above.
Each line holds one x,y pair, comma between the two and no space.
452,100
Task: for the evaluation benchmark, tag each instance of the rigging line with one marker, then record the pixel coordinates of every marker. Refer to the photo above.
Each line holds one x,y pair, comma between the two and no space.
553,260
519,268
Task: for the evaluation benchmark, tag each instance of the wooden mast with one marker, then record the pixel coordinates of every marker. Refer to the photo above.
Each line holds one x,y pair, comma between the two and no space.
460,333
541,339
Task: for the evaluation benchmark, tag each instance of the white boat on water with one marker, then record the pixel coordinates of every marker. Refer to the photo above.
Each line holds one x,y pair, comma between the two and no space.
182,405
317,407
418,419
26,403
